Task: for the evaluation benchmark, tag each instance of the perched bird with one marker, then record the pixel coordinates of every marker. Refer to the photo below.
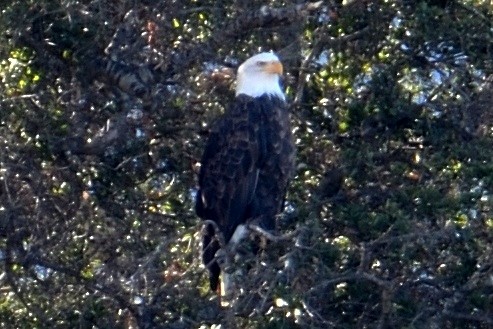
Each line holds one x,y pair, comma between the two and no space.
248,161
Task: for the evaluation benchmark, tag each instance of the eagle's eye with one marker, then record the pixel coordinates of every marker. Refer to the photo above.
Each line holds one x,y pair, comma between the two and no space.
261,63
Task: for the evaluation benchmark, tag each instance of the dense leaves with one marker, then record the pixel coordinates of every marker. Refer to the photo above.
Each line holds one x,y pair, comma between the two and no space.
105,109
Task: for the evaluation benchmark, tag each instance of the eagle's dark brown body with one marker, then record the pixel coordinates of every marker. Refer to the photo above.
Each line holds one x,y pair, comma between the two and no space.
245,170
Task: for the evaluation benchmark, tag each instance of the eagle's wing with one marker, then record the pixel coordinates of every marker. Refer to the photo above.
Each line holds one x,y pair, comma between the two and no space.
228,178
229,173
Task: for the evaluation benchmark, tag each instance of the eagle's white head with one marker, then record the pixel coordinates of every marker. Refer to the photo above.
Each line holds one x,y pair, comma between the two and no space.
259,75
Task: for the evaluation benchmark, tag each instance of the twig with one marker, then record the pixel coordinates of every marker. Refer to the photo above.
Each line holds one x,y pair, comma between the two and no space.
314,314
469,317
407,237
15,98
270,236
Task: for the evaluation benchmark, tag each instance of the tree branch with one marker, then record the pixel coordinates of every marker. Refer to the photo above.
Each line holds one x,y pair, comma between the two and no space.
270,236
268,17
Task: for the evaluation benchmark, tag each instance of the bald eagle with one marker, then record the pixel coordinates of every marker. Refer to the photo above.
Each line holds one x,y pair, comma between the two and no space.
247,162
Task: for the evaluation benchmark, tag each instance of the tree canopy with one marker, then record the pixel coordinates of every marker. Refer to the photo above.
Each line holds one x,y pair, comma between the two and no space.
105,109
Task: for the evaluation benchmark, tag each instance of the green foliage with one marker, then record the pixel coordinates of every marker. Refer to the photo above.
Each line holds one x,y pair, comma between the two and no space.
16,73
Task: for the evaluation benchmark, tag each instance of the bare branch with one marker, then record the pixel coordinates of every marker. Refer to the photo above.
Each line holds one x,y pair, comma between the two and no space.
485,319
270,236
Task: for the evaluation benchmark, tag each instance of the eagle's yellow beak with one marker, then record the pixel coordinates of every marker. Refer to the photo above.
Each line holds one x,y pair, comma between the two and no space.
274,67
